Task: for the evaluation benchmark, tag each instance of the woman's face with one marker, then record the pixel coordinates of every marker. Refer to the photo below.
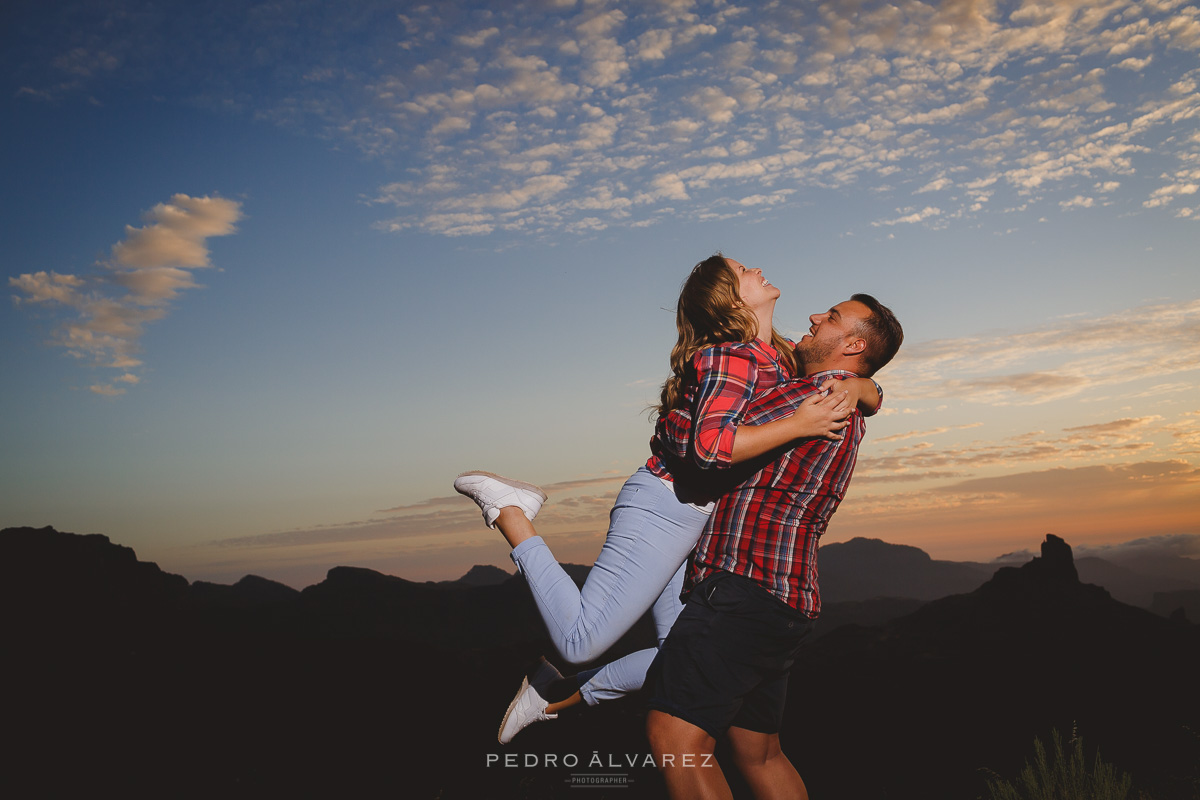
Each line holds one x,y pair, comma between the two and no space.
754,289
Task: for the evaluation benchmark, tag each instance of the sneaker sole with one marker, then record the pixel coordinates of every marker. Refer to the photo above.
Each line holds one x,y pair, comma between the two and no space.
506,481
521,691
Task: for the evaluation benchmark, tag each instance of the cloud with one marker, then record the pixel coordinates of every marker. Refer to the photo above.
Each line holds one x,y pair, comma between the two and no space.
986,515
452,515
1166,194
42,287
1118,439
931,432
1068,358
935,185
1180,545
1117,426
476,39
911,218
1023,99
148,268
1142,480
715,105
1078,201
176,233
1141,358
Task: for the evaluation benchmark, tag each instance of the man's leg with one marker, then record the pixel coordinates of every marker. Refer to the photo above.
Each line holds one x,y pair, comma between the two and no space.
684,755
763,764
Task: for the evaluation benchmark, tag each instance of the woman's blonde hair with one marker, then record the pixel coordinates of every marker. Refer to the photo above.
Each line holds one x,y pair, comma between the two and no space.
710,311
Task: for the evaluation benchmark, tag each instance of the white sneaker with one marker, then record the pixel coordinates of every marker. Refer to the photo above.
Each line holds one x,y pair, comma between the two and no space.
494,492
528,706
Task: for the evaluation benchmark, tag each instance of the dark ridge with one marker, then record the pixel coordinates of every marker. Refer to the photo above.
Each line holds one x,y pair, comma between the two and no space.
1172,603
965,677
862,569
86,583
370,685
481,575
250,592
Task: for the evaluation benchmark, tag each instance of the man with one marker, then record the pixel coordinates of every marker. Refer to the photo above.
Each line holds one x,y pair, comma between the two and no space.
724,668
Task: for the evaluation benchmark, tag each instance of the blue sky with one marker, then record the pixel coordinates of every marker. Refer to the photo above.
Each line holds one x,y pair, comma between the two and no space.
279,271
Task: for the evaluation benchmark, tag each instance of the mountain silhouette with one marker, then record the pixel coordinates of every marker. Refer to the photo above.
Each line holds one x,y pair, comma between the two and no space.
960,679
1170,604
127,677
53,583
482,575
1136,580
865,569
250,592
862,569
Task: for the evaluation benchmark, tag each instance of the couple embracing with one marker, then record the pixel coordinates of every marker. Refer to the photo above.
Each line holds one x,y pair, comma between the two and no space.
717,534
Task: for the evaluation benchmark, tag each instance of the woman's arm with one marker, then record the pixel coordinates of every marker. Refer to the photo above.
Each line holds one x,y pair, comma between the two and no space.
726,382
816,418
726,376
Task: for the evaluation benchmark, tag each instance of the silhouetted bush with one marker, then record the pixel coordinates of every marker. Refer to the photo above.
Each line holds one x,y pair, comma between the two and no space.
1064,776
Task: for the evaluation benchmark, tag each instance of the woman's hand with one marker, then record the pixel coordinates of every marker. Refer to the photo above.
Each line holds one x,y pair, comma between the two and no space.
820,416
823,417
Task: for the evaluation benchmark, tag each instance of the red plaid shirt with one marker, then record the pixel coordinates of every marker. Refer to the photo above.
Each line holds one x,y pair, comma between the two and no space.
769,527
770,513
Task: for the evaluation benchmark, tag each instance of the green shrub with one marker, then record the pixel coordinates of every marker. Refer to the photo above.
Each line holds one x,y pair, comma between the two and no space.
1063,776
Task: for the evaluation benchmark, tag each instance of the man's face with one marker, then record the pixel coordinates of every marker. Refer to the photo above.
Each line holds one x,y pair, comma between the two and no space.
832,331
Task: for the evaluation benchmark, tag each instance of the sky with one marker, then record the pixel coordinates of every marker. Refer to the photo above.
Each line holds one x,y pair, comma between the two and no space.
278,271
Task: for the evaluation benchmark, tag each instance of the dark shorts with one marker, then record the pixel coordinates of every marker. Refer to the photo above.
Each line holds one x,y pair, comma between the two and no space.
726,660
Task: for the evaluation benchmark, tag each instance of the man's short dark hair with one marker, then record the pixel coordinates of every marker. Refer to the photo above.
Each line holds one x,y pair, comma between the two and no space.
881,331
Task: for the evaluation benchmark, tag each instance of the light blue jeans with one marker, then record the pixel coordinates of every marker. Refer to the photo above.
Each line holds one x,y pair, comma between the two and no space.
641,566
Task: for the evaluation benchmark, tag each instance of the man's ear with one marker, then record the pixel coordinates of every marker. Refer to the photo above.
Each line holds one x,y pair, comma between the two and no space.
855,347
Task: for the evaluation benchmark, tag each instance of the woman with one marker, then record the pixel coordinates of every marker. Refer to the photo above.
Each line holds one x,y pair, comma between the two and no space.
719,363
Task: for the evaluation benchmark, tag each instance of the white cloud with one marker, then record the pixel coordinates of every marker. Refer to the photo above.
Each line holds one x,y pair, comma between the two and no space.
911,218
1078,201
1166,194
900,88
1072,358
944,114
476,39
668,187
148,268
935,185
653,45
176,233
1134,64
714,104
1027,100
44,287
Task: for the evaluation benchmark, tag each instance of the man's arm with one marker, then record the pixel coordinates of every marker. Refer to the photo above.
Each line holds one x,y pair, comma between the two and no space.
865,394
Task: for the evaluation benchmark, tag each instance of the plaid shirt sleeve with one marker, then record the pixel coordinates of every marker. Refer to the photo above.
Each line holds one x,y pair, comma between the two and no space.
704,431
726,378
781,401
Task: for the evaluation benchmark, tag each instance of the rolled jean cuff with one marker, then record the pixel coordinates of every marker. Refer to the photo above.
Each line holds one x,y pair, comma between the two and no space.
585,687
524,547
